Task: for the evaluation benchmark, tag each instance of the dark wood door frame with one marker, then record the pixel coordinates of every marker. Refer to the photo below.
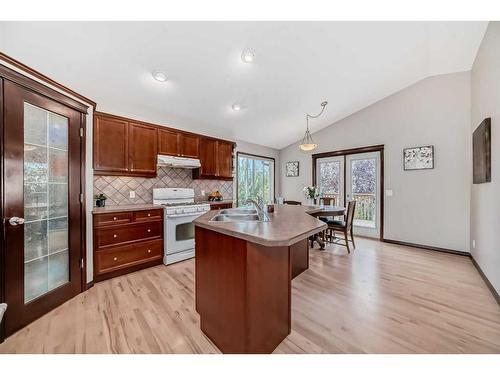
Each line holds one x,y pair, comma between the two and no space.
7,74
238,153
351,151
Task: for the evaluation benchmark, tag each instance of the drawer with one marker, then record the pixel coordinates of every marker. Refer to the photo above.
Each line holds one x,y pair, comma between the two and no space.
112,218
124,256
127,233
148,215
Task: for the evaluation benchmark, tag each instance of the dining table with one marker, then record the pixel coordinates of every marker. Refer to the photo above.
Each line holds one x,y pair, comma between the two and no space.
324,211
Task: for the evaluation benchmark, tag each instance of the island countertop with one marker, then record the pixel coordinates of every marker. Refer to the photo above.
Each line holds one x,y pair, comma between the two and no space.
286,226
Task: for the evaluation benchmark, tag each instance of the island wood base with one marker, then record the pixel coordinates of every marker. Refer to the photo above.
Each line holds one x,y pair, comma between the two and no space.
243,290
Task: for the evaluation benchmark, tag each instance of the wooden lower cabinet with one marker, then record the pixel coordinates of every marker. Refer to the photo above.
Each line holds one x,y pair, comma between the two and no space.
120,257
243,290
127,241
220,206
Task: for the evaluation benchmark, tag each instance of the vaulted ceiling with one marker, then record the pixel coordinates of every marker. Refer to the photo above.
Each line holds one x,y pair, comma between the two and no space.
297,66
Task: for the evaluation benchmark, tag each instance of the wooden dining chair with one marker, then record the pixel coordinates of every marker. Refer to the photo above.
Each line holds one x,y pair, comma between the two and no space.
296,203
327,200
344,226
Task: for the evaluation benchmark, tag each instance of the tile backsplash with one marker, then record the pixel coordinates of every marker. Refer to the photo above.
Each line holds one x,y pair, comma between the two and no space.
117,188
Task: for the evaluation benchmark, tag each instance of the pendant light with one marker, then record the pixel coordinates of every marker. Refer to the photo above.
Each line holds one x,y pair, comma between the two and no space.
307,143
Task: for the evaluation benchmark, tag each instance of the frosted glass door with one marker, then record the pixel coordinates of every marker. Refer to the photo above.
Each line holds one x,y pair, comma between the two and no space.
46,256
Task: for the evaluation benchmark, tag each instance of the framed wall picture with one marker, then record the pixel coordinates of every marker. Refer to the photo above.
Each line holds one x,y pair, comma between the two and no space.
418,158
481,152
292,169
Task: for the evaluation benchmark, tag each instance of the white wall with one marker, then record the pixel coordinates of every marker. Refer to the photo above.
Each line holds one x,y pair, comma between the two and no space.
252,148
485,198
429,207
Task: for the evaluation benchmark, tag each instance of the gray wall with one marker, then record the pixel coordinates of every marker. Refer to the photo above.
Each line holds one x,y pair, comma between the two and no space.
429,207
485,198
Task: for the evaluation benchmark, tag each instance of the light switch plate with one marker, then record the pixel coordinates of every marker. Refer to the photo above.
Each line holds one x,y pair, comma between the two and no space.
132,194
388,193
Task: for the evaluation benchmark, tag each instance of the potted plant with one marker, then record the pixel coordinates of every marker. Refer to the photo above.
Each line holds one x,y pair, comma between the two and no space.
311,193
100,200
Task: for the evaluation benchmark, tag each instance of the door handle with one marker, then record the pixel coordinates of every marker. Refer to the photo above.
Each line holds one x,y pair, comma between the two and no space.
16,221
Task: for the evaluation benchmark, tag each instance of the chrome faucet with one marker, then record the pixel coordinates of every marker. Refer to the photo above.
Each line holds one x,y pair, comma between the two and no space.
259,205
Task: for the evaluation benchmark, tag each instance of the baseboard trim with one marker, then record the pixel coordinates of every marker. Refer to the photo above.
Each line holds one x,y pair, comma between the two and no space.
426,247
89,285
485,279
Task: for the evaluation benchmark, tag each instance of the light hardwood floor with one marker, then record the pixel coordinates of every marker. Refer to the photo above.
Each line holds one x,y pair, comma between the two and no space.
381,298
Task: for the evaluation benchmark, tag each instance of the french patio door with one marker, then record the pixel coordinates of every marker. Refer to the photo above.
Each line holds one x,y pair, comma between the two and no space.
354,177
41,202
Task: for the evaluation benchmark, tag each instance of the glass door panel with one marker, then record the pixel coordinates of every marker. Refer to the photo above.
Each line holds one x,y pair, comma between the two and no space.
46,256
330,179
363,186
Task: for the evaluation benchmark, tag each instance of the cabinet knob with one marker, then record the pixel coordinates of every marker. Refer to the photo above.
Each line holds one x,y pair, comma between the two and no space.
149,230
114,218
115,258
149,250
149,215
115,235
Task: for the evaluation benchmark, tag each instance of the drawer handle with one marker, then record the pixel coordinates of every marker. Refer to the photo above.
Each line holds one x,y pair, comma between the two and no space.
114,218
149,230
149,250
115,258
115,235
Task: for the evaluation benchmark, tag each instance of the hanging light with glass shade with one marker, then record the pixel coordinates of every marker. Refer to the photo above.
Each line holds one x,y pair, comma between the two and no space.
307,143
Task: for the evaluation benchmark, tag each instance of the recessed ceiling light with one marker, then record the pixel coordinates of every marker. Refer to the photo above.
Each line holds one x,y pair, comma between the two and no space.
236,107
160,76
248,56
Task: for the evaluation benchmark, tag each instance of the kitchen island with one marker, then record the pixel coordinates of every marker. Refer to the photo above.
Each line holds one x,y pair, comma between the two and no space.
243,276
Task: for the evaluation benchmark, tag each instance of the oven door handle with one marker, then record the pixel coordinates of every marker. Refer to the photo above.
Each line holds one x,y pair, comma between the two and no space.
185,215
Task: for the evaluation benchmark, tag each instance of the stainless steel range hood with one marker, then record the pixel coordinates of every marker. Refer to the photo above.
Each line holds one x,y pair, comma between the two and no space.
178,162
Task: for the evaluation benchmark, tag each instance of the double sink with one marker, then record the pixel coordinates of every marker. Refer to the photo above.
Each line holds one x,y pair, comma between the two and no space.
240,215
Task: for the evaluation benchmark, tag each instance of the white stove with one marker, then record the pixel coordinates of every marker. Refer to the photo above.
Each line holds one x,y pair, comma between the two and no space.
180,211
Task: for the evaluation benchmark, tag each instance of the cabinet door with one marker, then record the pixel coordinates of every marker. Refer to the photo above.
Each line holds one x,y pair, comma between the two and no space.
189,145
208,157
110,145
224,159
142,149
168,142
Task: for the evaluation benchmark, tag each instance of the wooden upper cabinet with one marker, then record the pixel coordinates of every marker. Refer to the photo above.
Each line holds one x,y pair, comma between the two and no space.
189,145
216,159
110,145
125,147
208,157
168,142
224,159
175,143
143,141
